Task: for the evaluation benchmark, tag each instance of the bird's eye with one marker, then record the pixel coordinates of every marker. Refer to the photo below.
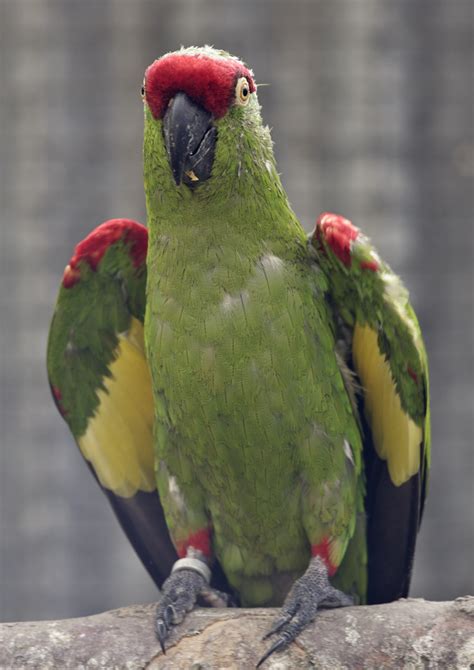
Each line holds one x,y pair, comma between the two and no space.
142,92
242,92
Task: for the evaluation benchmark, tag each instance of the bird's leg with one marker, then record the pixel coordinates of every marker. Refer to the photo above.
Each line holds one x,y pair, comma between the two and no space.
309,593
191,531
189,576
187,584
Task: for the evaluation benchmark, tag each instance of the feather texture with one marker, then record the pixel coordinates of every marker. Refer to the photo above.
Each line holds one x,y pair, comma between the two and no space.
396,437
118,441
261,457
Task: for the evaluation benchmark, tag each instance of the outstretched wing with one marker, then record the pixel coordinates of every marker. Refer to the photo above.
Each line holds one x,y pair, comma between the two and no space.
101,384
386,351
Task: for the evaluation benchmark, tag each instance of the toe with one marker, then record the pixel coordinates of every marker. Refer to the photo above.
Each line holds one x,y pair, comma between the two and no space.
178,597
278,624
308,593
161,633
287,632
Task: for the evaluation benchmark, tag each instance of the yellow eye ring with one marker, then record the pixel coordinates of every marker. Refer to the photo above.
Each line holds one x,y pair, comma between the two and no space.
242,92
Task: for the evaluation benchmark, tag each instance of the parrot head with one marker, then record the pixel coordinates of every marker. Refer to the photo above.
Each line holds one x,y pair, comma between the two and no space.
203,130
189,91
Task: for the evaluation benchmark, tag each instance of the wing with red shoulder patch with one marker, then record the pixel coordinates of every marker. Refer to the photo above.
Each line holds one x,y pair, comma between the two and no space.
389,357
101,383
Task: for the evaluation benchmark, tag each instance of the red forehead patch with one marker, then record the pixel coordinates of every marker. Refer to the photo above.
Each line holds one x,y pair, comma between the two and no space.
208,81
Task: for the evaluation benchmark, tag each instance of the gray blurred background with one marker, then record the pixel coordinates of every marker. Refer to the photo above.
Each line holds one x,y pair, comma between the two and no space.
371,104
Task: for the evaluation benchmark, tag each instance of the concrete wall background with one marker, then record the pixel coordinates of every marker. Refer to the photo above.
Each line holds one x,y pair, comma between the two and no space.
371,104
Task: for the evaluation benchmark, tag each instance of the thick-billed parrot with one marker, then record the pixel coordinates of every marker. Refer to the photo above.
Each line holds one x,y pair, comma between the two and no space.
253,401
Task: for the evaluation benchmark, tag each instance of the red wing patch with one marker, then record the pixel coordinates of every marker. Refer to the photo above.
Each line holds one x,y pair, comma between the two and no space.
338,233
93,247
71,276
412,374
57,395
373,266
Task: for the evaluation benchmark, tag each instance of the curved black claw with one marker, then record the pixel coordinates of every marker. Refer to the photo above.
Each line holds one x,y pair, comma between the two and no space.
308,594
178,596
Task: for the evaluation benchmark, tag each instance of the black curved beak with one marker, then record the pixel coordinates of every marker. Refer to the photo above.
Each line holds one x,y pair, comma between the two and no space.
190,140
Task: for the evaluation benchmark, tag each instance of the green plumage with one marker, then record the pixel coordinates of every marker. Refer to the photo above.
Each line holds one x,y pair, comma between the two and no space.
251,407
380,299
267,446
84,332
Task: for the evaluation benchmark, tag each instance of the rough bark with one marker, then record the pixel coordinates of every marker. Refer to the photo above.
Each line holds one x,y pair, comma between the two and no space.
411,633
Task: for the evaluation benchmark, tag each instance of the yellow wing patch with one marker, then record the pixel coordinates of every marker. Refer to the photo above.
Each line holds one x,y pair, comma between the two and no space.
396,436
119,438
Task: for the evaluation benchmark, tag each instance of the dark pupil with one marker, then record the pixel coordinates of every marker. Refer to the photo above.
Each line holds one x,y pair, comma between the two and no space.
143,90
245,91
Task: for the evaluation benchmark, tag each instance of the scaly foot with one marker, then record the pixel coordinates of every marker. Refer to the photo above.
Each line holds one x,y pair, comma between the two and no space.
308,594
188,582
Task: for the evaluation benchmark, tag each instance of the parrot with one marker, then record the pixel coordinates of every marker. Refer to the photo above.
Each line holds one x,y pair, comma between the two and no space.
253,400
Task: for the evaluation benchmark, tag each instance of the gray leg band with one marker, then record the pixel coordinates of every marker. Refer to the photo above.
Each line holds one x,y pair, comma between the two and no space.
193,564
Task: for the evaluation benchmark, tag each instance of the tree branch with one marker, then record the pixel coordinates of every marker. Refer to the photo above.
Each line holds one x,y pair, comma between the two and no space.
409,633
